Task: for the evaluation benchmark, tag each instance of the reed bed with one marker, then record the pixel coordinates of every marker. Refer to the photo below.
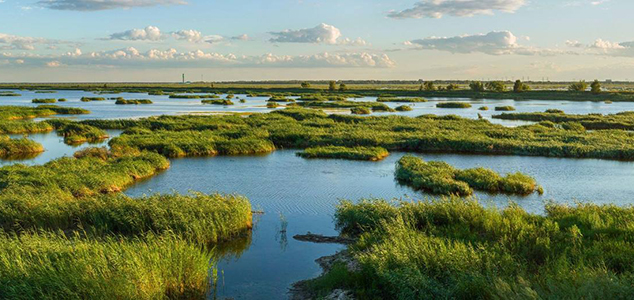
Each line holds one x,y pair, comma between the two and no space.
356,153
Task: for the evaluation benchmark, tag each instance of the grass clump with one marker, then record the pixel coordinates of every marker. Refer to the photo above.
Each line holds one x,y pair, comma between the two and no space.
9,94
272,105
278,98
619,121
53,266
403,108
90,99
209,96
76,133
18,148
360,110
356,153
441,178
453,105
483,108
401,99
51,100
374,106
133,101
217,102
455,248
504,108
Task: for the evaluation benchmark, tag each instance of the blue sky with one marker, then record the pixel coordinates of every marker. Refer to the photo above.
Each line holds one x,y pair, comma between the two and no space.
155,40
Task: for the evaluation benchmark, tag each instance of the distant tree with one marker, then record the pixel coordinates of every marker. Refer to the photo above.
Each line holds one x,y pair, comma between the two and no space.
580,86
343,87
451,87
595,87
429,86
476,86
305,85
519,87
495,86
332,86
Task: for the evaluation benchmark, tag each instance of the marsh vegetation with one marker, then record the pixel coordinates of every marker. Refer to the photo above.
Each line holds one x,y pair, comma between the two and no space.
355,153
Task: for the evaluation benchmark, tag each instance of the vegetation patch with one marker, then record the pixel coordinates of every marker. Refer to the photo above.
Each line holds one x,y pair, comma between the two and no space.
622,120
360,110
18,148
76,133
453,105
403,108
90,99
441,178
217,102
133,101
356,153
454,248
504,108
401,99
208,96
51,100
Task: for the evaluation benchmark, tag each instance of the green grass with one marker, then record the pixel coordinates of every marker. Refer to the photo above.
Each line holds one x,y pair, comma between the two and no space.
90,99
133,101
280,99
458,249
453,105
16,119
18,148
401,99
9,94
441,178
504,108
360,110
217,102
356,153
374,106
403,108
51,100
76,133
622,120
53,266
303,128
209,96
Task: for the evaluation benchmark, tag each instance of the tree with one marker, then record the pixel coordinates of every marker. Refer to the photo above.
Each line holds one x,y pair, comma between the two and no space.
580,86
519,87
332,86
595,87
496,86
451,87
476,86
429,86
343,87
305,85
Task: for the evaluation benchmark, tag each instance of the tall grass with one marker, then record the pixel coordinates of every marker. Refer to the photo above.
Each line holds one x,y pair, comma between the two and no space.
453,248
133,101
453,105
53,266
441,178
18,148
356,153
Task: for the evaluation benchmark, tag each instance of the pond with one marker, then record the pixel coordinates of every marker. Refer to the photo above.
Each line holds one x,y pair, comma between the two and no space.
305,193
163,105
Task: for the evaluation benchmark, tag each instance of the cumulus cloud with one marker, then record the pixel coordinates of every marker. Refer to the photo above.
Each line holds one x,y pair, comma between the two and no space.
193,36
320,34
130,56
150,33
12,42
457,8
95,5
492,43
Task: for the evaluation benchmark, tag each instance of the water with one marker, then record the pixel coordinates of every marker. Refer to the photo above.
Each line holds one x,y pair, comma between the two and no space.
163,105
306,191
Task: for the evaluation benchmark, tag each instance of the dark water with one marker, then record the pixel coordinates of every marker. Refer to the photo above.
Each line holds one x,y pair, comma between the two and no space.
165,106
305,192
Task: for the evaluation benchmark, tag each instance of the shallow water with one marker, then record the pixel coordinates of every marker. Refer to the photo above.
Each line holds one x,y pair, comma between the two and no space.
163,105
306,191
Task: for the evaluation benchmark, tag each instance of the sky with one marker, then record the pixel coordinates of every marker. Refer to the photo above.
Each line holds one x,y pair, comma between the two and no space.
228,40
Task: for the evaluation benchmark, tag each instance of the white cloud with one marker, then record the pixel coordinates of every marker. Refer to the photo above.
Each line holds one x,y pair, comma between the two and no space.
193,36
242,37
150,33
132,57
11,42
492,43
320,34
458,8
94,5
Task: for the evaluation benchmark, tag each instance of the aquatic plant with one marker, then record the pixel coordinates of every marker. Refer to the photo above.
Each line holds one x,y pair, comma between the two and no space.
217,102
401,99
441,178
18,148
356,153
403,108
89,99
76,133
133,101
51,100
457,248
360,110
504,108
453,105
